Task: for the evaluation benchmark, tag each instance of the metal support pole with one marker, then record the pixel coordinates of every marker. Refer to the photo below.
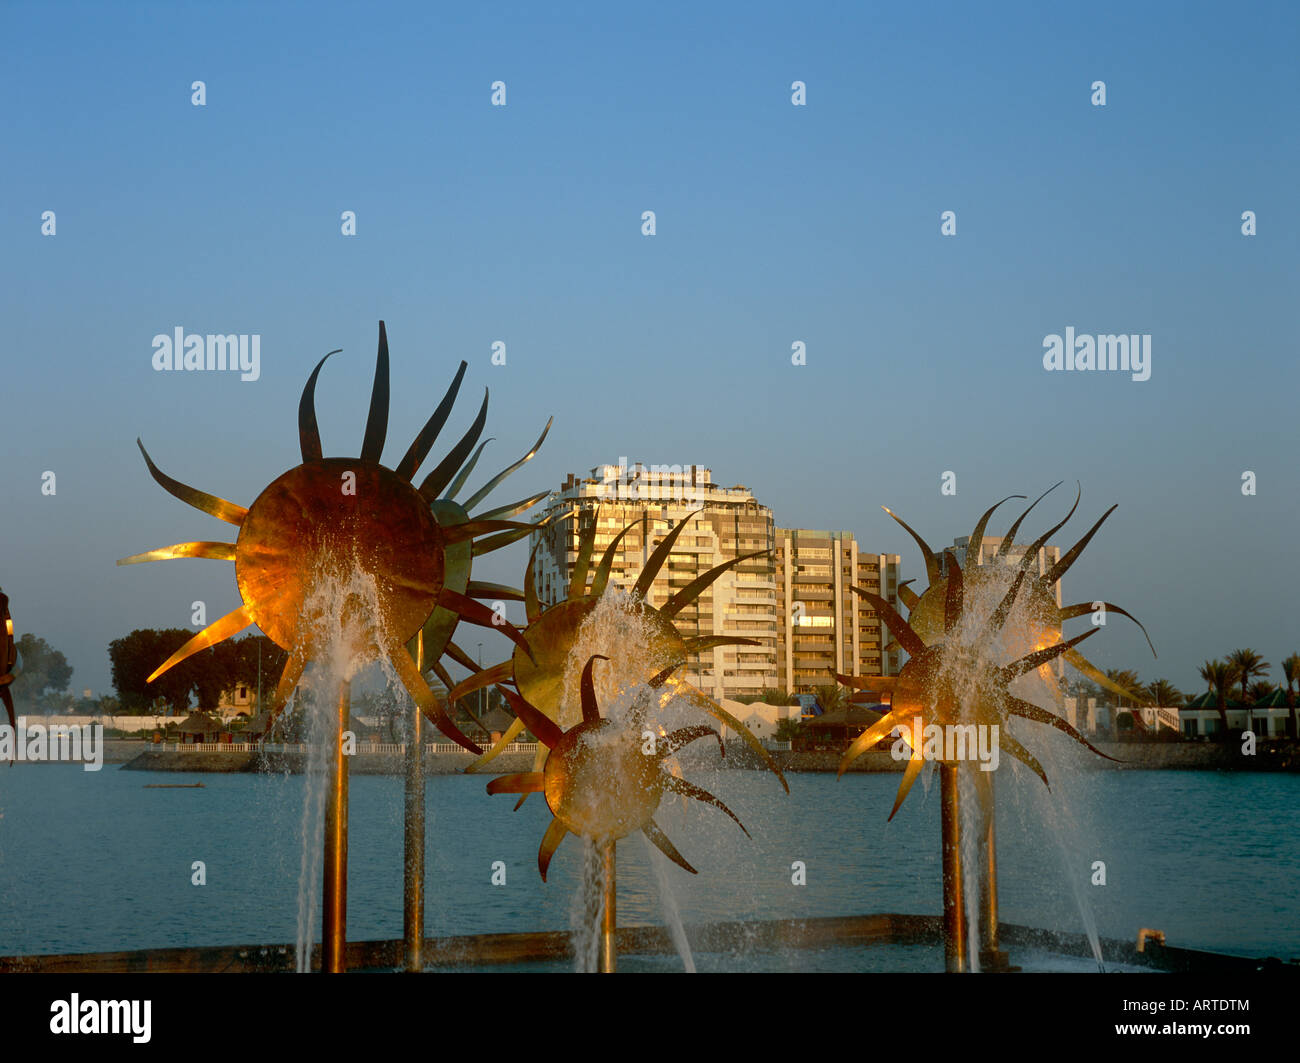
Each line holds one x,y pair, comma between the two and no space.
413,865
992,958
334,912
989,876
955,940
609,918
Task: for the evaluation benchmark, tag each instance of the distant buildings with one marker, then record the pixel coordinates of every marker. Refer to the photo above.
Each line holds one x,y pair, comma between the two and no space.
988,555
1047,556
741,602
824,627
1270,718
795,601
238,700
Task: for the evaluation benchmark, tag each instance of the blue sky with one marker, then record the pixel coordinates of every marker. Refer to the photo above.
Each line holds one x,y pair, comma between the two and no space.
775,223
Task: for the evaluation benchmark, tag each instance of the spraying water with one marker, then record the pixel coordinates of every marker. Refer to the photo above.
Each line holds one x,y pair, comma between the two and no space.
587,910
668,899
618,630
341,618
971,840
969,650
311,831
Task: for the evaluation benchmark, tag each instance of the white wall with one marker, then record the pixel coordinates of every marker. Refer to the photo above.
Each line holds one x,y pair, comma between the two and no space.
121,723
760,718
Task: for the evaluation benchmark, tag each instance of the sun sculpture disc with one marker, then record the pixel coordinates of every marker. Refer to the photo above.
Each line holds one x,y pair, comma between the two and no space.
537,668
355,523
598,781
959,669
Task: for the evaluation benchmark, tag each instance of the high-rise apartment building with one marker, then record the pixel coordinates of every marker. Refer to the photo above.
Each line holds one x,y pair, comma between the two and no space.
725,522
825,628
991,544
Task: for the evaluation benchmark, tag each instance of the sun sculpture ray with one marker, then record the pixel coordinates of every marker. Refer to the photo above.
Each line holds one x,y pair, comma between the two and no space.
599,782
330,517
958,672
538,665
435,638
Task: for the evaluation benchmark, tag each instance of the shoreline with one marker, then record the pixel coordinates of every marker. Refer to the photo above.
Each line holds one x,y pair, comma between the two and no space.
1130,756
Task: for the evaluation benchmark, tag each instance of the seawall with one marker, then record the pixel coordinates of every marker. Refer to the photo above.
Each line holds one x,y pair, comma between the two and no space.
1128,756
295,763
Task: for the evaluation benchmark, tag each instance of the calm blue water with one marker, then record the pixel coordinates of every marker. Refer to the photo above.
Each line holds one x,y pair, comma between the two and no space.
96,862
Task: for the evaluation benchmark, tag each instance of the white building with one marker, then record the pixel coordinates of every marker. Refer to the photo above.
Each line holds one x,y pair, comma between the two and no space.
826,628
731,522
1264,721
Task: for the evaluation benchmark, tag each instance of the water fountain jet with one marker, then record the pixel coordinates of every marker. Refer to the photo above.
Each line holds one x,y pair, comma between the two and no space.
328,520
963,659
603,779
539,694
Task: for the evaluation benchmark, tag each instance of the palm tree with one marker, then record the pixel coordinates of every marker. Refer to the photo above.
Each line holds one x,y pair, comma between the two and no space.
1164,693
1259,690
1128,679
1220,676
777,696
1291,672
1248,664
832,698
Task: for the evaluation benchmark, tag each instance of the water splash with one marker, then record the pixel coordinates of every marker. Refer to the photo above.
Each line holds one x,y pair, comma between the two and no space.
312,830
668,899
341,621
968,647
617,629
587,910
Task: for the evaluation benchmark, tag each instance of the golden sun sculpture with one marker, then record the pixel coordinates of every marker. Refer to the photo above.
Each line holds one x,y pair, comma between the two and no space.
330,518
599,782
8,658
553,631
943,669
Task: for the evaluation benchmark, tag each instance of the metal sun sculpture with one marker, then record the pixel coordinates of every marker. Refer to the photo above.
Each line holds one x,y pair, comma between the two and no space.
954,676
553,631
599,782
8,659
330,517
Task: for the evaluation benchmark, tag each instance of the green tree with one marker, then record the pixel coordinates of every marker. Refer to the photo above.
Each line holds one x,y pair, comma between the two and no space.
210,670
1164,693
1219,676
243,663
135,656
787,730
45,671
1248,665
832,698
1291,672
107,706
1128,679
